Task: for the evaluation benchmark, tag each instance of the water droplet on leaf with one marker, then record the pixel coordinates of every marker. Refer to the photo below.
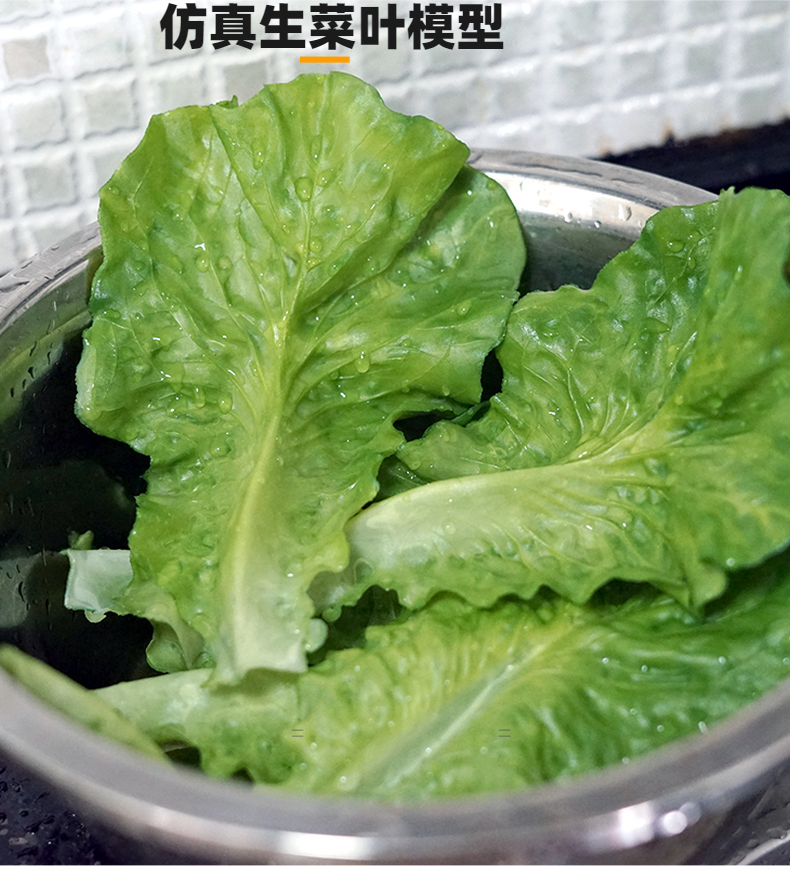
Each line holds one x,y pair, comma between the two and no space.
362,364
304,188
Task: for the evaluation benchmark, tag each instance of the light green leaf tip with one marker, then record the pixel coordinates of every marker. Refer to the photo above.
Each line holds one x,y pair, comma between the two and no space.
71,699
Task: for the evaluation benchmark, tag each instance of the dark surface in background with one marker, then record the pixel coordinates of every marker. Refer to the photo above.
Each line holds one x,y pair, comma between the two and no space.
37,827
760,156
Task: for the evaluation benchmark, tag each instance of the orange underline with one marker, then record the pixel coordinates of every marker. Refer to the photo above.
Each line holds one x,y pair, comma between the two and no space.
324,58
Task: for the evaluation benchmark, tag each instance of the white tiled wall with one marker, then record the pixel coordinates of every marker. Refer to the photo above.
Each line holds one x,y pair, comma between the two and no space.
80,78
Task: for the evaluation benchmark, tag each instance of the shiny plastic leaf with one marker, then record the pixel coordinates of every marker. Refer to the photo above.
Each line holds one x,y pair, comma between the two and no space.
283,279
642,431
455,699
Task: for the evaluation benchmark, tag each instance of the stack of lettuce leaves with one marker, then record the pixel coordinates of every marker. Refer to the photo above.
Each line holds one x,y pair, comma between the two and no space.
364,574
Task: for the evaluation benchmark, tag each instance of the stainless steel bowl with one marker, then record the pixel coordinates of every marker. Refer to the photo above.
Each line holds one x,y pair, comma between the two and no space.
666,807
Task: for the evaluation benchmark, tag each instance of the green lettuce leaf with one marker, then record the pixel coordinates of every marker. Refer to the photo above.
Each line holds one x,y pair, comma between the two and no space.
642,431
96,580
455,699
72,700
98,583
236,729
282,280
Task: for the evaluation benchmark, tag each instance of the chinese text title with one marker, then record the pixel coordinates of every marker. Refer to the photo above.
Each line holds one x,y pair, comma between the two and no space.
330,26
